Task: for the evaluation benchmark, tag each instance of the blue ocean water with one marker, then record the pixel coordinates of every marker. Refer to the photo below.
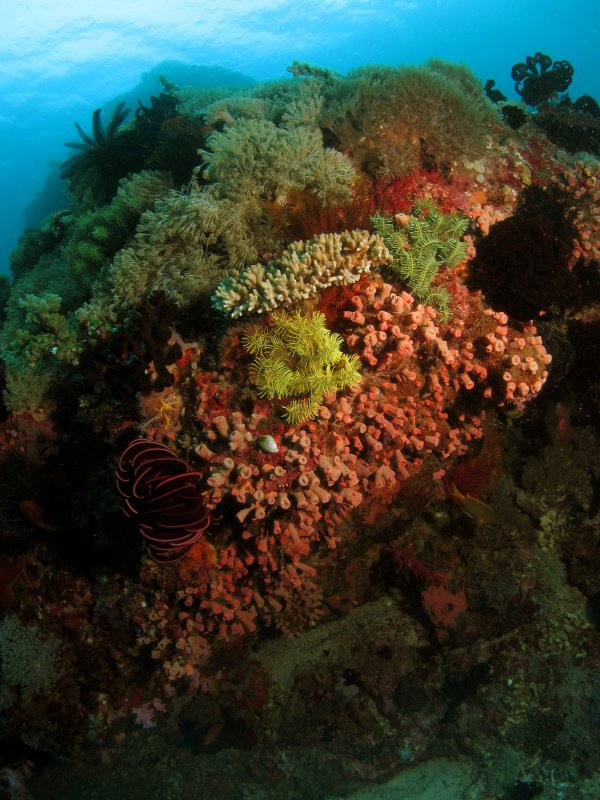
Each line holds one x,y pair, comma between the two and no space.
61,60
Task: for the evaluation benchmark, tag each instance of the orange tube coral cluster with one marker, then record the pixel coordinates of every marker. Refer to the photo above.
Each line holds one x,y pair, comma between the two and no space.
366,448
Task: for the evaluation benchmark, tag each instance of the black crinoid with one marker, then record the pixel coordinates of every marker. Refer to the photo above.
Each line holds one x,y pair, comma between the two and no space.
537,79
169,141
102,159
523,266
572,125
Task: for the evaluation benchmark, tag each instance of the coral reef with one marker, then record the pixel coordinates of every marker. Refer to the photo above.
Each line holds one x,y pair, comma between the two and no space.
366,447
298,474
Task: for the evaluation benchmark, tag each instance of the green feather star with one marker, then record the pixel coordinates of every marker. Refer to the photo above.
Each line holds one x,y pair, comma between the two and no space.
429,241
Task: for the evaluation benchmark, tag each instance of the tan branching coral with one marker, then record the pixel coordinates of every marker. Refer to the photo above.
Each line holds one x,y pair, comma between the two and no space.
304,269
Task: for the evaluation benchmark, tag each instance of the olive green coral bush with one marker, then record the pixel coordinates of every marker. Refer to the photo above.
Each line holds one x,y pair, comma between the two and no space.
197,102
393,120
37,312
169,253
46,332
37,243
4,295
255,163
44,298
29,657
257,157
36,352
99,234
283,102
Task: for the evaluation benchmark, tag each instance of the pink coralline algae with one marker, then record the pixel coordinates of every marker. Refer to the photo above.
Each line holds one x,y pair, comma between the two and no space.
368,447
442,606
25,433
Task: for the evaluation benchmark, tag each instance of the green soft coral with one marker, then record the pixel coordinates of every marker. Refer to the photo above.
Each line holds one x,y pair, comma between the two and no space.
299,360
98,235
393,120
255,157
46,333
37,352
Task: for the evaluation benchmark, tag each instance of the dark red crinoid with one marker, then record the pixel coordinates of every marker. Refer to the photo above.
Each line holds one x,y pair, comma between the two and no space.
161,492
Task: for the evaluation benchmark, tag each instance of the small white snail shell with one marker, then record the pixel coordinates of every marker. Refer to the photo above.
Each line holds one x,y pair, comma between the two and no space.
267,444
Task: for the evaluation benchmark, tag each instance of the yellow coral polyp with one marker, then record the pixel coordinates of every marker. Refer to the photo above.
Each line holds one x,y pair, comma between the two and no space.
164,414
165,411
299,360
